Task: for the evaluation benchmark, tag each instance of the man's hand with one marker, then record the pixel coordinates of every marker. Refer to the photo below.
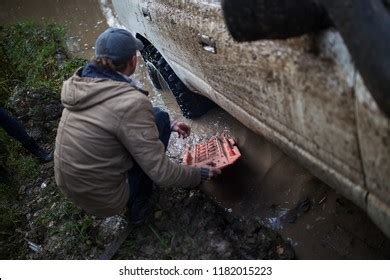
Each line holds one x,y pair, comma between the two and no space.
212,172
181,128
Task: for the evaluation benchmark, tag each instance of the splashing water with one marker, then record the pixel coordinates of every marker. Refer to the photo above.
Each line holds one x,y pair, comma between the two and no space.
109,14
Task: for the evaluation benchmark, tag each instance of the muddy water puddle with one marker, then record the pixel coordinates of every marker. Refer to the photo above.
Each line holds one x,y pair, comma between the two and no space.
265,184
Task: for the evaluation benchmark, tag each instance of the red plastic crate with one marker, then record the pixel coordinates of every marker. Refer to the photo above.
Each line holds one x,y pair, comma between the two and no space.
218,152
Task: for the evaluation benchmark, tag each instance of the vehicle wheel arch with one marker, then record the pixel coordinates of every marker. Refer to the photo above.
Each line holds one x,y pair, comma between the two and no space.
191,104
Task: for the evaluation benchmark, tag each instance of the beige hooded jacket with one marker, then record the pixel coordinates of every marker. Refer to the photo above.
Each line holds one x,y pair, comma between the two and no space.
106,126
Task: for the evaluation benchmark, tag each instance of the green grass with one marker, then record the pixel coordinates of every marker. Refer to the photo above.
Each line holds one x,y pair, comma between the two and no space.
28,54
12,243
28,61
6,74
26,166
16,169
61,217
30,50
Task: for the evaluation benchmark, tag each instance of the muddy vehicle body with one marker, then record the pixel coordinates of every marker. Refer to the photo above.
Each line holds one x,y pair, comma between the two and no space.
303,94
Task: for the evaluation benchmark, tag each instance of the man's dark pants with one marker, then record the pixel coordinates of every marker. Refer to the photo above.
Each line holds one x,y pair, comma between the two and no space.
15,129
141,186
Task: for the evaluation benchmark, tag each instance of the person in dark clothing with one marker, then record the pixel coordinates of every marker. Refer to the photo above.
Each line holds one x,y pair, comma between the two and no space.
16,130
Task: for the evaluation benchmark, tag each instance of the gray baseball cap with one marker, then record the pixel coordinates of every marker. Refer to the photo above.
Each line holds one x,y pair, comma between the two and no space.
117,44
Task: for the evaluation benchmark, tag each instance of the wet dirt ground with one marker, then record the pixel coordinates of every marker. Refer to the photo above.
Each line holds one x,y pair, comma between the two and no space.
265,188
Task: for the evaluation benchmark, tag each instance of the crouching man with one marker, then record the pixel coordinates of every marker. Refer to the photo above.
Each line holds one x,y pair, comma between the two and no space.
111,142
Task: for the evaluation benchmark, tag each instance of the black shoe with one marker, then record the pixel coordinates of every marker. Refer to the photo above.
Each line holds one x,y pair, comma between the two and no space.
43,155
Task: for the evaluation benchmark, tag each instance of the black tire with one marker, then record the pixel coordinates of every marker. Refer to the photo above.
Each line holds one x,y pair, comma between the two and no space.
191,104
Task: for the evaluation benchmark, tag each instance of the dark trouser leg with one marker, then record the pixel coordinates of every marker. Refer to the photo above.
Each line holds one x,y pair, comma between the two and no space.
15,129
141,186
163,125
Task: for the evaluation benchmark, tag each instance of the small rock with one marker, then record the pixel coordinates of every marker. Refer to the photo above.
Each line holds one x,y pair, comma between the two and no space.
44,185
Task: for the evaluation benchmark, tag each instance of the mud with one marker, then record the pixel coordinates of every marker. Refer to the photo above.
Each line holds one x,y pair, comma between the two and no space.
189,225
264,190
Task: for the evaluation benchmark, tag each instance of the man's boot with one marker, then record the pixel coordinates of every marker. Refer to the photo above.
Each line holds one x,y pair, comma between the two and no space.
42,154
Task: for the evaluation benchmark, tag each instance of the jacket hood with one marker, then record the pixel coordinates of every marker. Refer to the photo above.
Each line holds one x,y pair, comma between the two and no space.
79,93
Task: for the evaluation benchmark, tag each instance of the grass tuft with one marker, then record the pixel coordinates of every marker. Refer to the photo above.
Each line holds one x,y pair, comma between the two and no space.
33,57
